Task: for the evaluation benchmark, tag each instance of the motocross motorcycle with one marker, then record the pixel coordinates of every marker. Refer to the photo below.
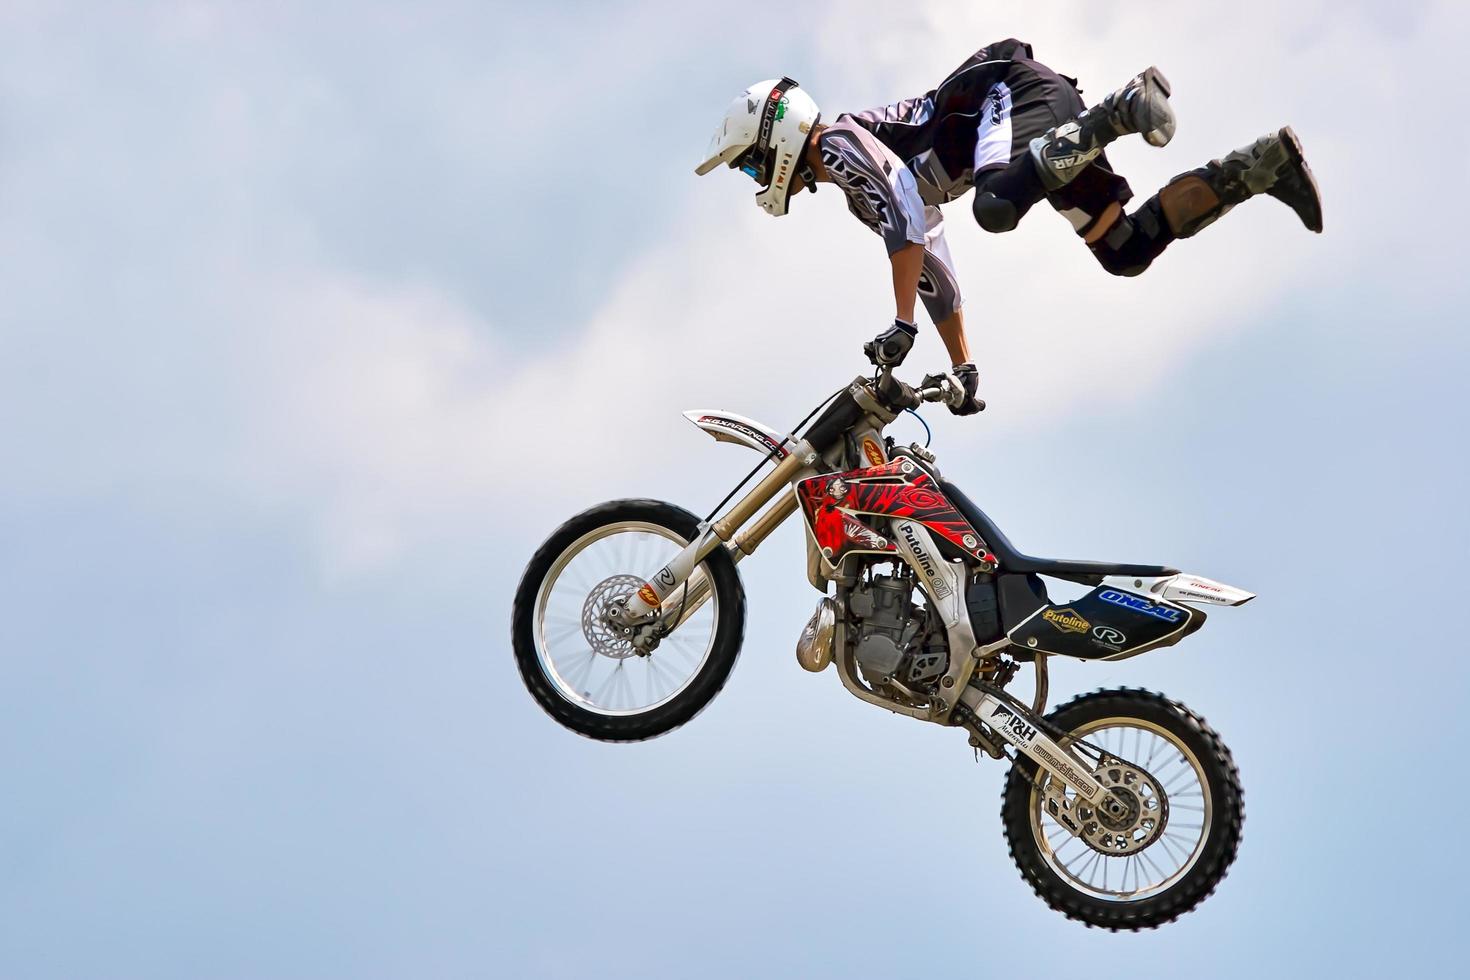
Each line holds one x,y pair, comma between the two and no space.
1122,808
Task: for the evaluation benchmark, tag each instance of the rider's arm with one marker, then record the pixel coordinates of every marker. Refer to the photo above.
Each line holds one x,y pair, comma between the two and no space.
908,264
882,193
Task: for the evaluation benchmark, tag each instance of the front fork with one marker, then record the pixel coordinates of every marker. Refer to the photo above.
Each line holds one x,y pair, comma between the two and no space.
742,546
647,605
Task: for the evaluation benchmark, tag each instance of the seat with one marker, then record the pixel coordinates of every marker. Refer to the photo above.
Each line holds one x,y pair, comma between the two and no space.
1012,560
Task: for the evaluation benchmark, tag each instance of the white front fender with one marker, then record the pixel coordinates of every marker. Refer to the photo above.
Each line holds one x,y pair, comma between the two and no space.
729,427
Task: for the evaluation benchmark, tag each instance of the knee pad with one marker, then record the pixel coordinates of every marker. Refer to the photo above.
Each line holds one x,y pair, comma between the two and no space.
995,214
1063,153
1189,203
1002,197
1118,264
1132,244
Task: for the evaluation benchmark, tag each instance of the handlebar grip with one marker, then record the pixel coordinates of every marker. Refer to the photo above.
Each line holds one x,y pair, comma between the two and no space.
895,394
889,348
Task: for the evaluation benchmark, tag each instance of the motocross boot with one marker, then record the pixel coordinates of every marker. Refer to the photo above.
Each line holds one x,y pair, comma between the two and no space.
1141,106
1273,164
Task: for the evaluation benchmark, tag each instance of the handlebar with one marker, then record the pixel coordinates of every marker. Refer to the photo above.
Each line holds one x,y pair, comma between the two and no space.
844,410
934,388
893,393
887,351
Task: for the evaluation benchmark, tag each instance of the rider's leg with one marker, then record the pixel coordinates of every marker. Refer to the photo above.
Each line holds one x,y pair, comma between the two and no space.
1273,165
1141,106
1126,244
1003,195
1030,101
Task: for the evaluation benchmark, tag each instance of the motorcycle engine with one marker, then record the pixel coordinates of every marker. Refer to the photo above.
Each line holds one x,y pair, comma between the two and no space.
894,638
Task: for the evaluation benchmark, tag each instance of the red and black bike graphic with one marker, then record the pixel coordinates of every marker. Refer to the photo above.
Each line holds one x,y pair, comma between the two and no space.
896,489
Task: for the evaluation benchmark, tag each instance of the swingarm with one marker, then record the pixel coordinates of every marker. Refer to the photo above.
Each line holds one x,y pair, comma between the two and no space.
1022,729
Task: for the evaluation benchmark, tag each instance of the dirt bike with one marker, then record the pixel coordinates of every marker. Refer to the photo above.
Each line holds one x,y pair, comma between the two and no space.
1122,808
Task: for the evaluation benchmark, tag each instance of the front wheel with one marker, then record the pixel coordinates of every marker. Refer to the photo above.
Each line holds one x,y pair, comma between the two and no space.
586,675
1169,834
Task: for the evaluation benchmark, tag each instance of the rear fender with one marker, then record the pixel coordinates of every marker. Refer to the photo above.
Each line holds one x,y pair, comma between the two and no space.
1182,587
729,427
1124,616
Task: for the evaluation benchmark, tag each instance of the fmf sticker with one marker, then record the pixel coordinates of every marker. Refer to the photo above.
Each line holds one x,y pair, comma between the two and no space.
874,454
1140,604
1066,620
648,595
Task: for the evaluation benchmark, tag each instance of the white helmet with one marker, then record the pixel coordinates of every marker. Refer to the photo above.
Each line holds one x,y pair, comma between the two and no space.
765,133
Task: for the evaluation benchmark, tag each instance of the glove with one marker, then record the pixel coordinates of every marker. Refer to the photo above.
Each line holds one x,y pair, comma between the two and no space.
967,375
890,347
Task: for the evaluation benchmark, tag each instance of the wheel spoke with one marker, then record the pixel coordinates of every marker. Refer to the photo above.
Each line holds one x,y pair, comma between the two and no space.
1145,859
1169,848
589,661
1184,778
1149,771
585,669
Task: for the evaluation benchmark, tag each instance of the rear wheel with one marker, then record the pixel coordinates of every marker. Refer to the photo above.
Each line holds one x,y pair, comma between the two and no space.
1171,828
586,674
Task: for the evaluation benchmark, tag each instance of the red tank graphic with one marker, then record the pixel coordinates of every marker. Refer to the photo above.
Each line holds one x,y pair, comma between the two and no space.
825,501
895,489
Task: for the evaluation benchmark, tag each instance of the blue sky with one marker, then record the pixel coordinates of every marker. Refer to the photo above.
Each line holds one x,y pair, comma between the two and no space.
313,325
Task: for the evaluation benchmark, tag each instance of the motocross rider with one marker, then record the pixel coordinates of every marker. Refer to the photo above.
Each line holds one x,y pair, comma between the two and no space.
1015,131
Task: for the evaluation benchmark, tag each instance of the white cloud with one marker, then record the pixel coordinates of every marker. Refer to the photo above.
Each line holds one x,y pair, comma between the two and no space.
388,411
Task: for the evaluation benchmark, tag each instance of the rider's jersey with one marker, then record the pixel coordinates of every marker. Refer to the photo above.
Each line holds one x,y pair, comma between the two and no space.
881,191
883,194
897,163
956,129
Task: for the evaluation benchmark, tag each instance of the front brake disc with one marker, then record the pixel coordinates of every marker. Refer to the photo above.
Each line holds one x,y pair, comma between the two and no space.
605,637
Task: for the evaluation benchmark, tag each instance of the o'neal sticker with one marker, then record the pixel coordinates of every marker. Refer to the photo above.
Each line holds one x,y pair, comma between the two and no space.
1140,604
